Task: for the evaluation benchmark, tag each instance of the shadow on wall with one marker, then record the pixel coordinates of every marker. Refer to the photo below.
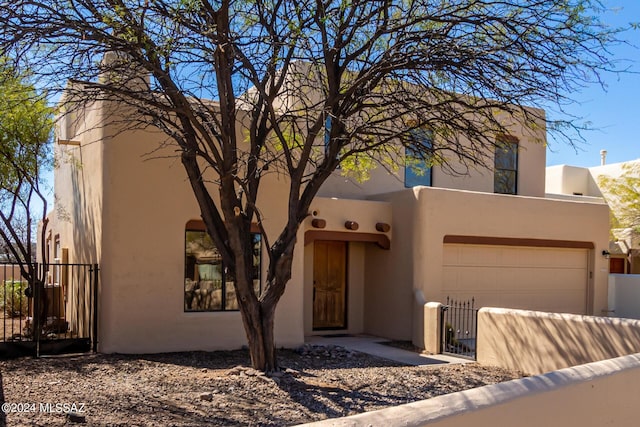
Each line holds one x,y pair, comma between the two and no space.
84,251
537,342
83,219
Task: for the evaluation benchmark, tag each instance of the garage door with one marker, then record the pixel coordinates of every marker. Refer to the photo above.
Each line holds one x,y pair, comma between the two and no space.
534,278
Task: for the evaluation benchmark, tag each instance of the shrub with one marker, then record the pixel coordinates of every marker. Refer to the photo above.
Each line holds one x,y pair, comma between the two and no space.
13,301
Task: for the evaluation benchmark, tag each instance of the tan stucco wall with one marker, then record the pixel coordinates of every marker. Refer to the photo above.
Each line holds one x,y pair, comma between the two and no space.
592,395
624,295
531,171
79,176
120,182
536,342
143,301
140,197
430,339
563,179
422,217
390,274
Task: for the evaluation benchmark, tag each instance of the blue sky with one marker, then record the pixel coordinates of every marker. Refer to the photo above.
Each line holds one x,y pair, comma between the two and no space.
613,112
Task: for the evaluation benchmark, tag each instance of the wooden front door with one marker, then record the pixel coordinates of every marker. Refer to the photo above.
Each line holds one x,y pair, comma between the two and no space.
329,284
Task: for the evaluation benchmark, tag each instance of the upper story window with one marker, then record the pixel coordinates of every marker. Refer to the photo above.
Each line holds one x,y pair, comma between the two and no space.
505,178
327,136
327,133
417,171
208,284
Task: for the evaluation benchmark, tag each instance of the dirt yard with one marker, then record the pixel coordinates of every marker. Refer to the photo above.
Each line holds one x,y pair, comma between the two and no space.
202,389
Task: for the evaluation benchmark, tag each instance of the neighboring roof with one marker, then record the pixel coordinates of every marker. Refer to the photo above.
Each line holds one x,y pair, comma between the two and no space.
618,247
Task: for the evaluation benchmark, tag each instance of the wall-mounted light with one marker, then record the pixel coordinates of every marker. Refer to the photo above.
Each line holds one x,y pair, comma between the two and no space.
606,254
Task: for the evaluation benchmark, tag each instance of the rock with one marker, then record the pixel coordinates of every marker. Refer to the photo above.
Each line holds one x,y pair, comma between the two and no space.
292,372
75,417
206,396
237,370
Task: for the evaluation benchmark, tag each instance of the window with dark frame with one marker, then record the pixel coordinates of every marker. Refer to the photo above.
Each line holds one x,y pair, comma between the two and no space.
505,178
56,259
208,284
48,249
327,136
327,133
417,171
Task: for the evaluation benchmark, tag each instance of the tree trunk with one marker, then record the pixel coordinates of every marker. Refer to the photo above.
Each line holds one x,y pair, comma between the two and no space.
259,316
258,320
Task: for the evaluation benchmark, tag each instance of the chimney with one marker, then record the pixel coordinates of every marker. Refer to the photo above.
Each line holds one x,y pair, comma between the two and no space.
603,157
117,69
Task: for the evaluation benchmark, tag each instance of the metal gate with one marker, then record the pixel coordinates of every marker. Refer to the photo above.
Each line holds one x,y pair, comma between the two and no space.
459,328
56,316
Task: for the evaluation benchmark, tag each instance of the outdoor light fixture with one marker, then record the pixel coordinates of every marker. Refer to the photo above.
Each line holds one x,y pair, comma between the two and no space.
606,253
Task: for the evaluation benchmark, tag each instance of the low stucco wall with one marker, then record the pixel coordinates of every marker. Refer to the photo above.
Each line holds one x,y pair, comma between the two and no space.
536,342
430,314
596,394
624,295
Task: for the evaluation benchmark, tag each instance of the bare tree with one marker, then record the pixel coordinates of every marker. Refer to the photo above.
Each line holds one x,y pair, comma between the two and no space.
315,84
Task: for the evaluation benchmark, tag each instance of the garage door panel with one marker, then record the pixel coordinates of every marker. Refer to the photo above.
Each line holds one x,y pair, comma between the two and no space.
509,256
505,279
481,277
547,279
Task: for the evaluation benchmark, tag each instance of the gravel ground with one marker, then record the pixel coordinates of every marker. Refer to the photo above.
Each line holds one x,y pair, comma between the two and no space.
218,388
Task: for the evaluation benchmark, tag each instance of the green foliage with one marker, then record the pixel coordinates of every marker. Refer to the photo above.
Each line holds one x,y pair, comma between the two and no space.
623,196
358,167
26,123
13,301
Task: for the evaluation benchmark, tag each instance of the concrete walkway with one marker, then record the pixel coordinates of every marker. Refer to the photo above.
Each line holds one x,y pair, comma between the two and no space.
373,346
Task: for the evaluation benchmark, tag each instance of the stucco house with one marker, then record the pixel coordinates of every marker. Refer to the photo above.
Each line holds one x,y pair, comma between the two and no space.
585,182
381,249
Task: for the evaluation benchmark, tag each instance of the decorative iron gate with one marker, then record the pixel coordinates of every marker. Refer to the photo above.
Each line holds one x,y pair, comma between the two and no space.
459,328
56,316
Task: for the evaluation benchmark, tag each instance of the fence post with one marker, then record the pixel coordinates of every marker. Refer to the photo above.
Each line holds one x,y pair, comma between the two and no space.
38,290
432,327
94,284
